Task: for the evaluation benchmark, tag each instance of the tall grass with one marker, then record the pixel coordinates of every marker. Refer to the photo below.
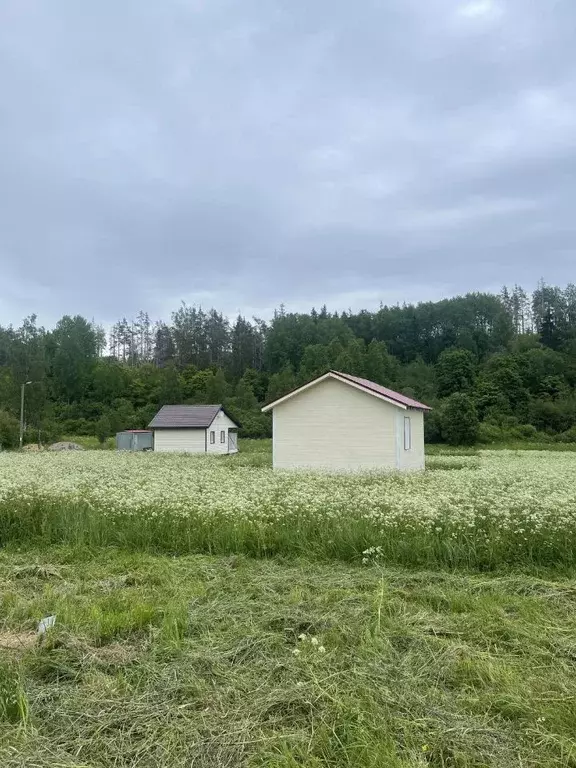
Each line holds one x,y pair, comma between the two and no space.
13,699
475,510
305,535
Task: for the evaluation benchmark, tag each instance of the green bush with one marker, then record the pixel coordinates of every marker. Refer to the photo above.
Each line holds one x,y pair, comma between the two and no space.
9,430
567,437
253,424
489,433
103,429
526,432
433,426
459,420
76,427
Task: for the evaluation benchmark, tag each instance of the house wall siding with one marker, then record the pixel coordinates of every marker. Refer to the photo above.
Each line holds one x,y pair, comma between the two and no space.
221,423
412,459
336,427
180,440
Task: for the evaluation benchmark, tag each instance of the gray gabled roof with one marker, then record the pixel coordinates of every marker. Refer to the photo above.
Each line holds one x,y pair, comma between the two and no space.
182,416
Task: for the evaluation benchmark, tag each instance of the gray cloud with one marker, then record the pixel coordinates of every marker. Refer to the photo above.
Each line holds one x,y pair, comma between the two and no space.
244,154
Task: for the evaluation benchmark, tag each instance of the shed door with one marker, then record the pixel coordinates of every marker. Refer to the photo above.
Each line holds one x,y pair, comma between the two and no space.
232,440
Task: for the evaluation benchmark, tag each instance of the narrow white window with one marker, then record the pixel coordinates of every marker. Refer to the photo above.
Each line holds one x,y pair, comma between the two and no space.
212,438
407,433
223,436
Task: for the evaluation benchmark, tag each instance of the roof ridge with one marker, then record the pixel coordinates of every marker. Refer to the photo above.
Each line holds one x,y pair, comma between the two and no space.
192,405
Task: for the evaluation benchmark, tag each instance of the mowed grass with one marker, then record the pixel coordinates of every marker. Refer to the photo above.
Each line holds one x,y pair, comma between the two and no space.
185,660
227,661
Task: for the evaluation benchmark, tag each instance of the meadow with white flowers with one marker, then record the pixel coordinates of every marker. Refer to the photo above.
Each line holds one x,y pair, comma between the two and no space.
483,510
218,659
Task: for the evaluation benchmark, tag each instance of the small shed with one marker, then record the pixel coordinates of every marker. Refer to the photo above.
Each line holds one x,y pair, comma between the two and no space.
194,429
340,422
134,440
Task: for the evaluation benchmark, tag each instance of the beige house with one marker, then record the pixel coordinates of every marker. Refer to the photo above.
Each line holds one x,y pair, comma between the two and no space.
194,429
340,422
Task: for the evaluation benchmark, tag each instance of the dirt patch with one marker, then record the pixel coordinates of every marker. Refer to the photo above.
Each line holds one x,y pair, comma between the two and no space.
44,572
114,654
17,641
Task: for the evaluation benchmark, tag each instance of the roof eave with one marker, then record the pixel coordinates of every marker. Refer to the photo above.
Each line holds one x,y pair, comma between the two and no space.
293,392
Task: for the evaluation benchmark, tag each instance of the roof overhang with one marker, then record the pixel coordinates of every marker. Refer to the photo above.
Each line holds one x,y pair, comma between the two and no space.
225,412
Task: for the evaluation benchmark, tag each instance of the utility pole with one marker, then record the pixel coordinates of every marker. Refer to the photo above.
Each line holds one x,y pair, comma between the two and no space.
24,385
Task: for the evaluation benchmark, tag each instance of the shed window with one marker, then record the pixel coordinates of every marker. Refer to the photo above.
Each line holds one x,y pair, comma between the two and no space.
212,438
223,436
407,433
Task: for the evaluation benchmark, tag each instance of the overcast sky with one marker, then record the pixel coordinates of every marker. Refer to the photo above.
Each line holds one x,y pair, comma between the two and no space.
244,153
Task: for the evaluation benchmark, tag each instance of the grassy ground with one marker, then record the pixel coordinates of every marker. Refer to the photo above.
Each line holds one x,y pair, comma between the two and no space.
220,662
486,511
265,446
215,662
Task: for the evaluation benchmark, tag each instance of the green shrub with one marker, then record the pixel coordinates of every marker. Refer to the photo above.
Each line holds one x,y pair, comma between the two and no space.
567,437
459,420
526,432
489,433
9,430
433,426
253,425
103,429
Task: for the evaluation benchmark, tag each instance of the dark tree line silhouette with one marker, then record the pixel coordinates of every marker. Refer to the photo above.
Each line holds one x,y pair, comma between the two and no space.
494,367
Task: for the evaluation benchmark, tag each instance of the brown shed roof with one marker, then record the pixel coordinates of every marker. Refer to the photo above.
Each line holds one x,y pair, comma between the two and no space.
184,416
384,391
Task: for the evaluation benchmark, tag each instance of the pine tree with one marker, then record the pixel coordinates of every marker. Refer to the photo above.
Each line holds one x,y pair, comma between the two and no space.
143,329
217,338
243,347
164,347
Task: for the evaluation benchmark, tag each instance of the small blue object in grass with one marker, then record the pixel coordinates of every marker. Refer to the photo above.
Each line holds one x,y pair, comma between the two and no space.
46,624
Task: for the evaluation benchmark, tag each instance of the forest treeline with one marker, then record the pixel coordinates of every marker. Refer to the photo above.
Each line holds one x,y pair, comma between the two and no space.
493,367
